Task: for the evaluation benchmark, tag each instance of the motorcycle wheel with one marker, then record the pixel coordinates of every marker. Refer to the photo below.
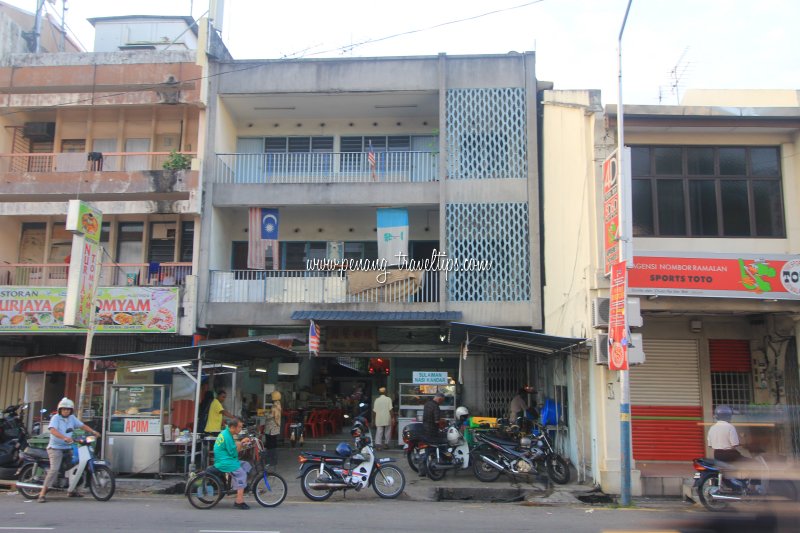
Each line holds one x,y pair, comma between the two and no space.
558,470
204,492
270,493
484,471
316,495
27,476
389,482
101,483
710,485
413,457
435,474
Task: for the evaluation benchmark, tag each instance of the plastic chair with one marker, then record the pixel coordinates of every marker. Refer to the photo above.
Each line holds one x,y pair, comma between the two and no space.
289,417
331,422
311,423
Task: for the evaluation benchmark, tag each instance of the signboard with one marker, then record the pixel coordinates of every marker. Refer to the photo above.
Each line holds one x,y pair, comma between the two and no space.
84,219
142,426
392,235
616,210
121,310
618,336
430,378
717,275
84,273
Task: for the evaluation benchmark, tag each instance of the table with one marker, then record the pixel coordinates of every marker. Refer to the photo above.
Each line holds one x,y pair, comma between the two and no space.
177,450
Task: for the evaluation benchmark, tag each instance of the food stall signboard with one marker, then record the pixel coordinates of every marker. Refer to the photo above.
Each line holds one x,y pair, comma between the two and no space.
430,378
84,274
142,426
84,219
121,310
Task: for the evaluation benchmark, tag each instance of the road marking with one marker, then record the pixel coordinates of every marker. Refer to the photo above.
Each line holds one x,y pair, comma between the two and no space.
234,531
27,528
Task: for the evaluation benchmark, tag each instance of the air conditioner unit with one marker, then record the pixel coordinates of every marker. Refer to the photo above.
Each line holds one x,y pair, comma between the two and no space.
600,313
39,131
635,350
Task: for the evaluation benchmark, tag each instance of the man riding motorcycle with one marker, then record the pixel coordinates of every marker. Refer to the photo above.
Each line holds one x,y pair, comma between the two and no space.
60,444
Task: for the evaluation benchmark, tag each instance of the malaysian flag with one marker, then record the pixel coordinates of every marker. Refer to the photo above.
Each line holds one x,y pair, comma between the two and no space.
371,160
313,339
256,246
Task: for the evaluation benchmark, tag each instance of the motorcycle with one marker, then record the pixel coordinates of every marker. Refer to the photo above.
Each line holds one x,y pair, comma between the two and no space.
13,438
323,472
83,469
454,454
530,455
717,491
297,429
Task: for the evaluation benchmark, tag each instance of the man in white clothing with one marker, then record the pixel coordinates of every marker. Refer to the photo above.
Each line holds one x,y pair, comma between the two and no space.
722,436
383,419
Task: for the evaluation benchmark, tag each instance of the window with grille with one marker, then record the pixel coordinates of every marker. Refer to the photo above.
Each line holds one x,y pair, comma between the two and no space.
731,375
707,191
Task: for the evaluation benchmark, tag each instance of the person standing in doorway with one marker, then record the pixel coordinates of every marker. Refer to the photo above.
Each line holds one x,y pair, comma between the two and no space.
519,404
382,409
215,413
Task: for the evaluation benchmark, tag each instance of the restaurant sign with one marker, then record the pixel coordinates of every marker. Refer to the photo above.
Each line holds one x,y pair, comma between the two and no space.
142,426
716,275
430,378
120,310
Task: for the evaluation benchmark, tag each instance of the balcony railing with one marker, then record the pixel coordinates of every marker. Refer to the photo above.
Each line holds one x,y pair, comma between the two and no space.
80,161
301,286
331,167
111,275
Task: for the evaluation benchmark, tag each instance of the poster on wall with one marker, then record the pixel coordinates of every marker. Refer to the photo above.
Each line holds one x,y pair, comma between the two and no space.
772,277
121,310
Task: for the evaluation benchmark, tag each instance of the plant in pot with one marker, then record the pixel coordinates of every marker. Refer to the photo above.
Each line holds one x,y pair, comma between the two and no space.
176,161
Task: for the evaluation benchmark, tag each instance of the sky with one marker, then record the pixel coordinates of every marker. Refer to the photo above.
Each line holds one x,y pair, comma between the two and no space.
668,46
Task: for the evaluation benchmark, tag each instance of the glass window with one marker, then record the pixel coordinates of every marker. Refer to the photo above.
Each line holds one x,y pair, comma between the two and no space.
764,162
703,201
735,213
643,208
671,208
732,162
669,160
768,208
700,161
640,161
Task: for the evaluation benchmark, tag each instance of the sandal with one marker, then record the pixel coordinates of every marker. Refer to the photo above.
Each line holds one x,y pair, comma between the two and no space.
75,495
42,499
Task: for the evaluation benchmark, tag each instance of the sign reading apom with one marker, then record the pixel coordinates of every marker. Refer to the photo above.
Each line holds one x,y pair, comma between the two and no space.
430,378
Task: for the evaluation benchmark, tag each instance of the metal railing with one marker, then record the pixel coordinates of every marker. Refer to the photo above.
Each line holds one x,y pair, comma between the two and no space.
80,161
301,286
111,275
330,167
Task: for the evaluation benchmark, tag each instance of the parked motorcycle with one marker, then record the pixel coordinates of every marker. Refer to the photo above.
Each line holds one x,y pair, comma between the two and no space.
297,429
532,454
717,491
452,453
84,469
323,472
13,439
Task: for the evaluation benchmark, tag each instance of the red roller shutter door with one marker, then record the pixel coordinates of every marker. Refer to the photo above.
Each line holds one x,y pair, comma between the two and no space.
666,412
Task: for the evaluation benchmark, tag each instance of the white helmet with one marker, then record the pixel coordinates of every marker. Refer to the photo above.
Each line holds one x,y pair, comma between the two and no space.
453,436
462,412
66,403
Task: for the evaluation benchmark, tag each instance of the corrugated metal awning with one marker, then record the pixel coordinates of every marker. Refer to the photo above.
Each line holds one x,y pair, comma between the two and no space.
377,316
67,363
511,339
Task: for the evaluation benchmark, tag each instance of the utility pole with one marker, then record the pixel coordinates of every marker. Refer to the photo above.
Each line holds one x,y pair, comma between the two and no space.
37,27
624,376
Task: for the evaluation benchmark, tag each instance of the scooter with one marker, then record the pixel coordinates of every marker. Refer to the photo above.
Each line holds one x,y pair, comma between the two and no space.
84,469
717,491
13,438
453,454
322,472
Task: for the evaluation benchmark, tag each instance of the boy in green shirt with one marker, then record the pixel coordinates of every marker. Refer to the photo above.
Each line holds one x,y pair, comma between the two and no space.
226,459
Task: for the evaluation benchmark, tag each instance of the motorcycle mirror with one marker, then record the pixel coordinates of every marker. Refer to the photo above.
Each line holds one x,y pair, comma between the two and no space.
42,411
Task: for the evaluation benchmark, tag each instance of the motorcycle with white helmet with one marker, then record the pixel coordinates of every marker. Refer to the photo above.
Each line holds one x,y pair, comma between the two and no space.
452,453
78,469
323,472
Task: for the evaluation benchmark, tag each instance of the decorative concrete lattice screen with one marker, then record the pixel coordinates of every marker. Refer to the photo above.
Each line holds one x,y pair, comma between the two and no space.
485,134
497,233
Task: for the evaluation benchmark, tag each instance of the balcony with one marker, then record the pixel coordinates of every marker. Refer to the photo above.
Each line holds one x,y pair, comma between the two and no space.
325,168
334,287
48,176
111,275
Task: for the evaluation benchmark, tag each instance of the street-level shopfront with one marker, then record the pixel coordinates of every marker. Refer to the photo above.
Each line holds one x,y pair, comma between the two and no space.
718,329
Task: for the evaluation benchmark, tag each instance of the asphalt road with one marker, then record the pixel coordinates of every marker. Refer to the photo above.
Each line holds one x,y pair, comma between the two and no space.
363,513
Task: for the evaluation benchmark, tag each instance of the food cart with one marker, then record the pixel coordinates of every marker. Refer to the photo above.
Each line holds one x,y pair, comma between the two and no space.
413,397
135,427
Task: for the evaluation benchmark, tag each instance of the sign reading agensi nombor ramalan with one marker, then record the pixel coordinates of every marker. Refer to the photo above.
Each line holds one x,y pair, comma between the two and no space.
121,310
716,275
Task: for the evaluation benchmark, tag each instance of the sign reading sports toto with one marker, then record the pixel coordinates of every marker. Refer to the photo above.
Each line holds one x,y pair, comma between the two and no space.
718,275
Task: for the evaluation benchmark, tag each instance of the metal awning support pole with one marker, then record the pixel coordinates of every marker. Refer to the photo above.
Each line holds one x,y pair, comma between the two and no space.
105,411
192,466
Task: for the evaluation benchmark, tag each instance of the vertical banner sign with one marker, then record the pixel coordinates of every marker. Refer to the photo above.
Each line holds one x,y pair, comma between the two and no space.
618,336
392,235
611,208
84,219
84,274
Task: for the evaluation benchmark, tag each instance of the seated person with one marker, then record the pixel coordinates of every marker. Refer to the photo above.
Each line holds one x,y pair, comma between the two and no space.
226,459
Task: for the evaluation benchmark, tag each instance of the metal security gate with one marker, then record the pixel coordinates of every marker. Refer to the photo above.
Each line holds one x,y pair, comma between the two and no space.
792,373
505,375
666,411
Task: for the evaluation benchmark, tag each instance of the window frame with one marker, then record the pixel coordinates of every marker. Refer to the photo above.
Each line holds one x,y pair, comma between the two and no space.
717,178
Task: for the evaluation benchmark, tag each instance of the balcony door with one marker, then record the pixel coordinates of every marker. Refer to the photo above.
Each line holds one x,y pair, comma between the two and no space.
129,252
137,162
249,168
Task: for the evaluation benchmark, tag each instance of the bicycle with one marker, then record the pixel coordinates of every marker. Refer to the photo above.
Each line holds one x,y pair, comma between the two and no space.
205,489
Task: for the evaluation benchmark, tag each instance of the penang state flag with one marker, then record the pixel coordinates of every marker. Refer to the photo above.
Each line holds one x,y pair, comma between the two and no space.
392,235
313,339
